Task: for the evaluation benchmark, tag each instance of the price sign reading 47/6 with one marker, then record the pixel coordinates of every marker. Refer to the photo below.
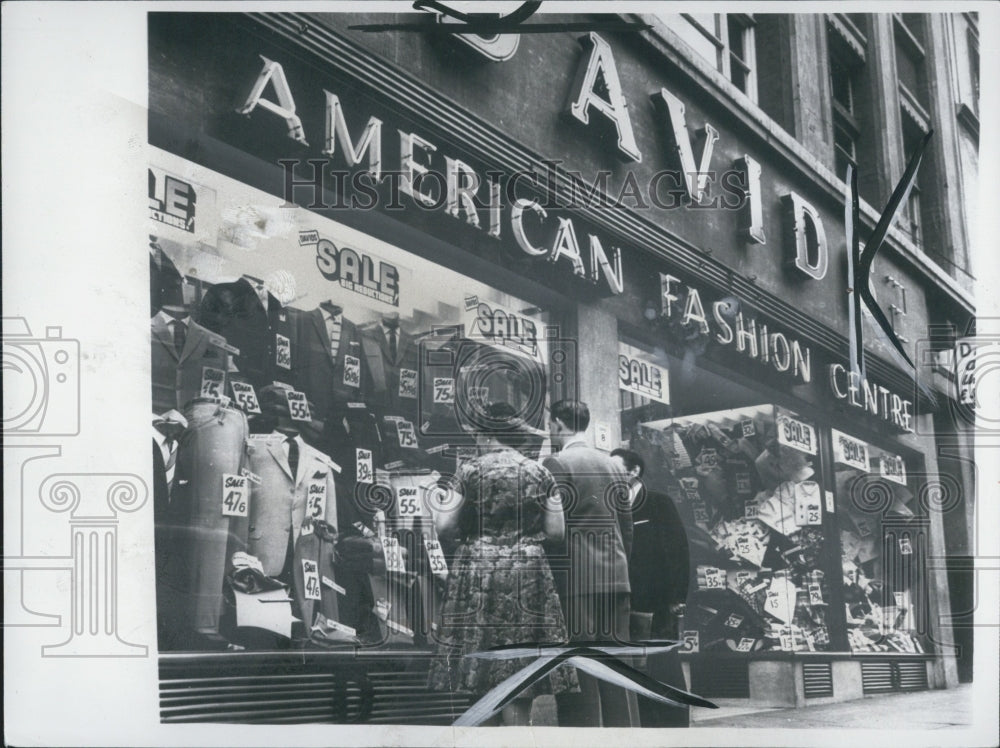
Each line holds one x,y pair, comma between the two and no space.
310,579
235,495
298,406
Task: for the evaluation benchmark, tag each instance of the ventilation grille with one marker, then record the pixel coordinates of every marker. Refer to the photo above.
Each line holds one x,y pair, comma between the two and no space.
284,693
886,676
818,678
723,679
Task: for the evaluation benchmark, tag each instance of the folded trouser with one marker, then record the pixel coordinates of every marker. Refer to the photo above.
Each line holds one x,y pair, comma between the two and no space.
211,446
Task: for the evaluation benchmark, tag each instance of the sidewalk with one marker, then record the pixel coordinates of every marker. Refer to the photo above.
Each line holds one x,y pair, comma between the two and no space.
922,710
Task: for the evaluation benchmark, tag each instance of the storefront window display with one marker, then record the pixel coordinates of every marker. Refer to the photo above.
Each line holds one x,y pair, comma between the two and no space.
746,482
882,547
310,385
769,531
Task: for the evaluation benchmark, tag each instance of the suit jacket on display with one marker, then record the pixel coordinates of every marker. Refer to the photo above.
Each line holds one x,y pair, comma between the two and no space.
317,372
177,379
234,311
278,504
659,564
598,521
384,370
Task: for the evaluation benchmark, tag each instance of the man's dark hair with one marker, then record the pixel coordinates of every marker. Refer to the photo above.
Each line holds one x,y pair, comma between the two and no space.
631,459
574,413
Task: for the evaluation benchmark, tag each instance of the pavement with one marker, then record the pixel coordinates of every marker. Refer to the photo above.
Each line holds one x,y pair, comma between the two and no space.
920,710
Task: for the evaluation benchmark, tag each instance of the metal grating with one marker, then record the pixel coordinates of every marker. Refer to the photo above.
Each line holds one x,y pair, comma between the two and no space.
294,692
884,676
877,677
721,679
912,676
818,679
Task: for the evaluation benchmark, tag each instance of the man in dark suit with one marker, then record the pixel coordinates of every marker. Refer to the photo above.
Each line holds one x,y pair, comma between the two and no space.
594,573
659,578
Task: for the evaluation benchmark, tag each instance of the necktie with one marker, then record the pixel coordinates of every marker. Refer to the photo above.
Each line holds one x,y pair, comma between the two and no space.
333,325
169,459
292,447
392,344
180,336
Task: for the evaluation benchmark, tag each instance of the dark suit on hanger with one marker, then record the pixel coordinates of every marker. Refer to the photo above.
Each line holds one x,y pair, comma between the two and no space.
318,373
177,377
384,368
234,310
321,376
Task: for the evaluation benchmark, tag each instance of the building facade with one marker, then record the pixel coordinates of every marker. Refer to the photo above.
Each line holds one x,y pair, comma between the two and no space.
652,220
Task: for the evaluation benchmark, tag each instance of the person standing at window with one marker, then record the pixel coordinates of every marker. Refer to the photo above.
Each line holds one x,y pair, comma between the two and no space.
594,570
500,587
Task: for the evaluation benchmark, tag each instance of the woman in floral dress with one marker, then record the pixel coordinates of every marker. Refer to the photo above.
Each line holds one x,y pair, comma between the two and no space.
500,586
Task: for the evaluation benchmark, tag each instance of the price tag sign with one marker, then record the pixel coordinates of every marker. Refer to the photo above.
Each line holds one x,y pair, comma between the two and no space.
364,465
892,467
787,638
691,641
435,555
815,594
734,621
714,578
700,512
316,500
408,502
408,383
796,434
742,578
905,547
751,509
407,435
747,428
245,397
743,485
393,555
444,390
829,502
282,351
745,645
807,504
743,545
352,371
310,579
212,382
690,487
327,582
235,495
850,451
298,406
